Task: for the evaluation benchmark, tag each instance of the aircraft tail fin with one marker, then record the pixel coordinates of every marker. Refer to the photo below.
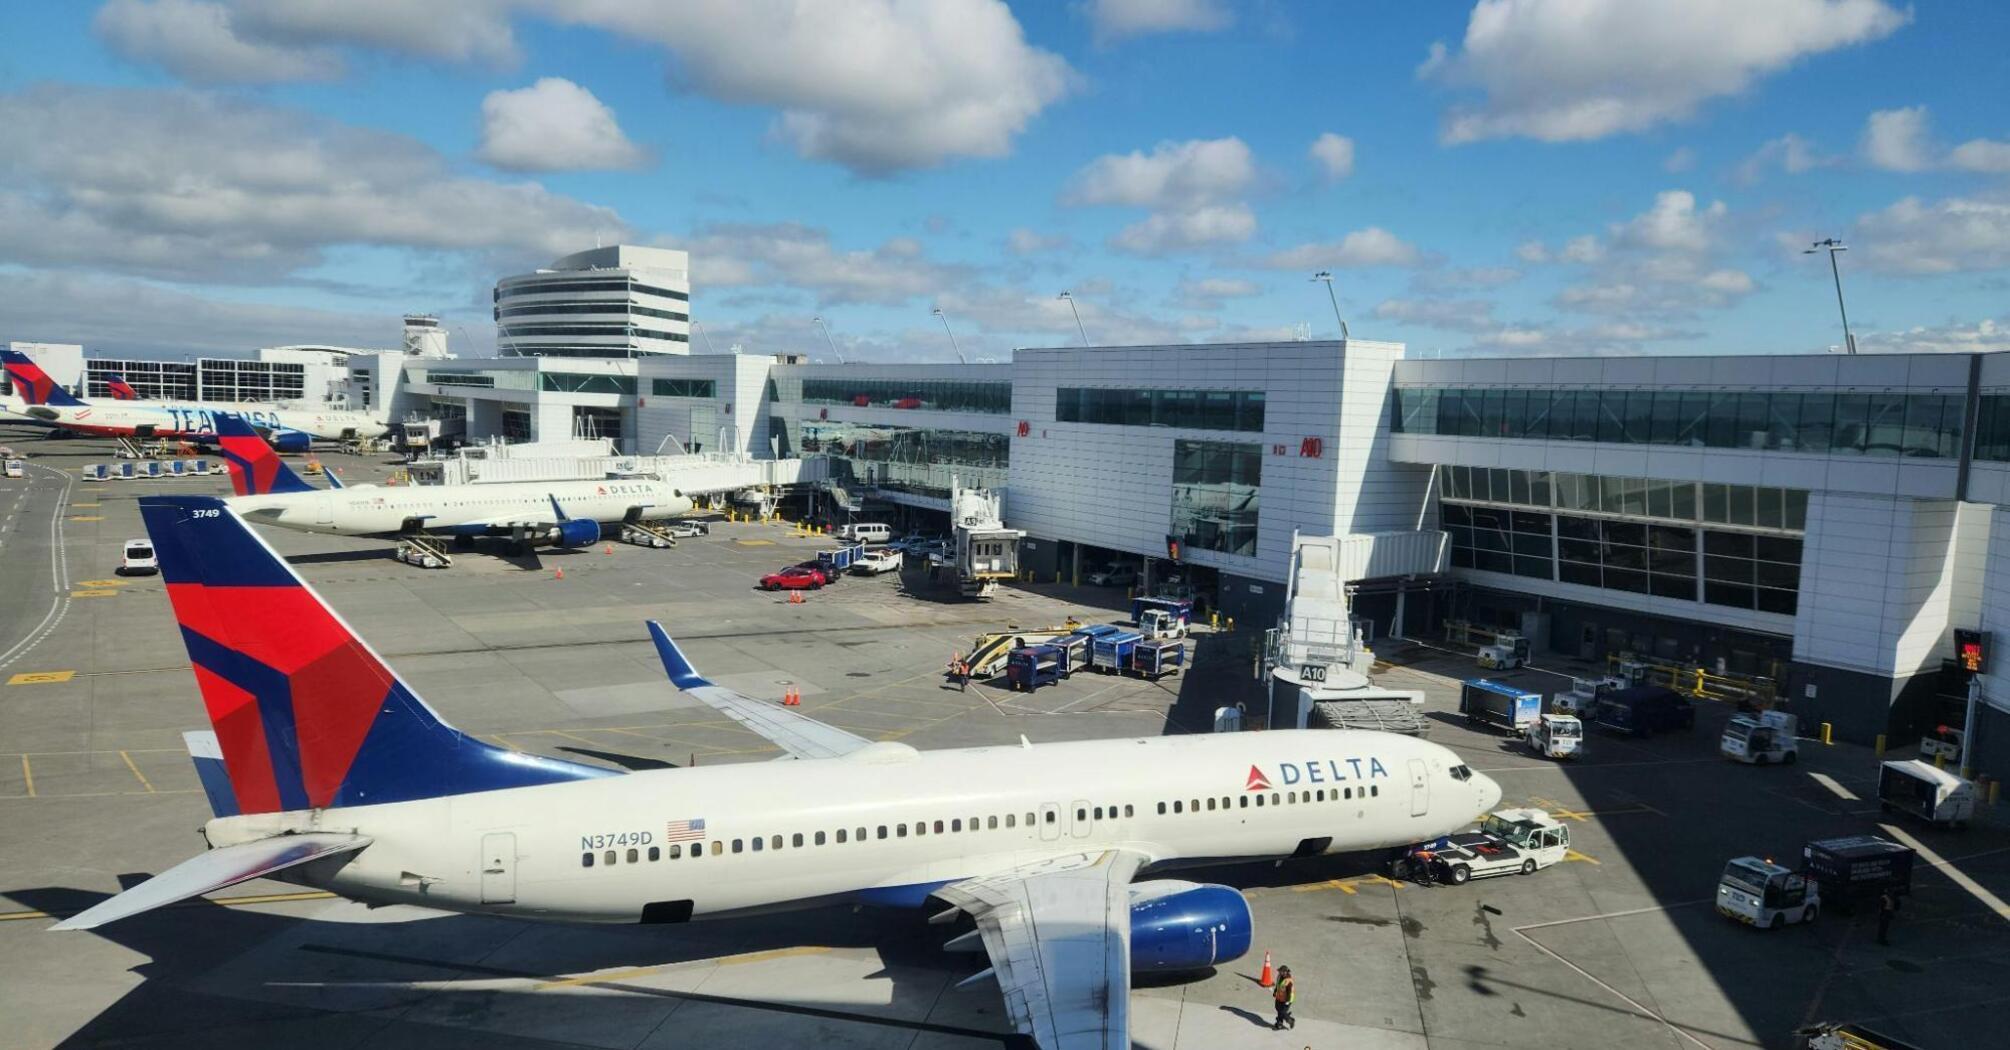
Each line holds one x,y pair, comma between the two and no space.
207,755
306,715
214,870
120,389
35,386
255,469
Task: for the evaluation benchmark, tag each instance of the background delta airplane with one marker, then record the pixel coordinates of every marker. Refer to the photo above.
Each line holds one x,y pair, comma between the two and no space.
289,429
325,769
530,513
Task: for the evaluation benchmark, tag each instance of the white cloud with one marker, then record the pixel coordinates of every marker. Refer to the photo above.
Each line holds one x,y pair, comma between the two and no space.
1789,153
1673,223
1022,241
1897,140
112,316
1459,315
1363,248
1461,278
197,41
1660,263
1570,70
1334,154
1172,175
1201,227
1208,293
1582,249
1117,19
791,255
554,125
1953,235
1984,155
876,86
188,185
1989,335
1681,160
1534,252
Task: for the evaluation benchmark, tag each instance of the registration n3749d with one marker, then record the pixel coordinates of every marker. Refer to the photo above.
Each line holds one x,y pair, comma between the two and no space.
615,840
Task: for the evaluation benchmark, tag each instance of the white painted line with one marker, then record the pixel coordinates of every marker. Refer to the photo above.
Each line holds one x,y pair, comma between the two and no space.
1961,879
1840,791
1616,993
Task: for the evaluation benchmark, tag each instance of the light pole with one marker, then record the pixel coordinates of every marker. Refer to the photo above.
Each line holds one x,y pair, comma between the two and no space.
1327,277
1832,246
1070,297
952,335
819,322
706,336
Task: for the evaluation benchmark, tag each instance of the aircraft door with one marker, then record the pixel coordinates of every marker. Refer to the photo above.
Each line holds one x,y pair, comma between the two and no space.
1081,825
1420,788
324,510
1050,821
498,868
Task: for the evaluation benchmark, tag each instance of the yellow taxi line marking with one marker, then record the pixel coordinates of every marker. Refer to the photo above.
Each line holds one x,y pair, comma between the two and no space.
644,971
93,594
28,774
755,543
1350,885
103,583
103,794
224,902
1570,855
85,517
1961,879
144,782
41,677
595,744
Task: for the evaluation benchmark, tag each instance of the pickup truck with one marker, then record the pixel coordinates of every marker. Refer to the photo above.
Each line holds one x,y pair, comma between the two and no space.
877,560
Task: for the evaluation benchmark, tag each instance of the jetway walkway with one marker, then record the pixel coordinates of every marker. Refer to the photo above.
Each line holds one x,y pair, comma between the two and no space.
694,474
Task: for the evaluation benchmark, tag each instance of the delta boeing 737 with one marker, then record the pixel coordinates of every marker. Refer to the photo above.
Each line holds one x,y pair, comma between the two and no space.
288,429
324,769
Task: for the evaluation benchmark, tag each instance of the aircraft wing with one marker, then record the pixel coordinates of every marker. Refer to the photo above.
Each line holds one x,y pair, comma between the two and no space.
212,871
1059,936
799,735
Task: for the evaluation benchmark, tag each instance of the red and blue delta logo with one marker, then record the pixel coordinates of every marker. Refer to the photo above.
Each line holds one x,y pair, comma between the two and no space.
1317,771
1257,781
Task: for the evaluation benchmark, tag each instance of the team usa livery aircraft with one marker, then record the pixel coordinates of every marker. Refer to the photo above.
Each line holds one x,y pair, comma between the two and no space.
530,513
325,769
126,415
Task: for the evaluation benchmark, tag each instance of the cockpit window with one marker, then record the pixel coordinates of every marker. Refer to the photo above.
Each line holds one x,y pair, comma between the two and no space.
1462,772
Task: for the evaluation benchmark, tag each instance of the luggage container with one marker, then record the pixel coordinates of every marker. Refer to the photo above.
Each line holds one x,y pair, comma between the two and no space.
1857,868
1515,710
1933,795
1032,666
1158,657
1111,653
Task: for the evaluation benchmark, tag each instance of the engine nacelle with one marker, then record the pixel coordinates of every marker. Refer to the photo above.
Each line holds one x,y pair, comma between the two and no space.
286,440
577,532
1181,926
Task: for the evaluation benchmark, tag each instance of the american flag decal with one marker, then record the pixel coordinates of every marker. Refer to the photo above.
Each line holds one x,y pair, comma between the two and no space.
684,831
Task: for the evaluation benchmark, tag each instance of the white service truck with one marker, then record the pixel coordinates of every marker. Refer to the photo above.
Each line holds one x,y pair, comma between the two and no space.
1514,842
1509,651
1557,736
1768,736
876,560
1758,892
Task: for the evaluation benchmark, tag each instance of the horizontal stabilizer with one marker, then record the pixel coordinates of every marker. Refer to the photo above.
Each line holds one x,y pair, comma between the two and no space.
213,871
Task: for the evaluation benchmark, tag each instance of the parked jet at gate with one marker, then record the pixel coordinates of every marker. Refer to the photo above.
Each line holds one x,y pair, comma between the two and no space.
288,429
325,769
530,513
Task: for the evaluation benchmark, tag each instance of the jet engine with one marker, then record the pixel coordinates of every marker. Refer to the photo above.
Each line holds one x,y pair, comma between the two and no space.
576,532
288,440
1181,926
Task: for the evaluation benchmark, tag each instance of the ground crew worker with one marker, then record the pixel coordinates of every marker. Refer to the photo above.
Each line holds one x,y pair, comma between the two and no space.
1887,907
1283,996
962,676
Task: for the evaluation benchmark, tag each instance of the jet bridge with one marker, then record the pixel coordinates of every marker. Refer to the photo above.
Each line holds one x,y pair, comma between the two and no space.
1316,660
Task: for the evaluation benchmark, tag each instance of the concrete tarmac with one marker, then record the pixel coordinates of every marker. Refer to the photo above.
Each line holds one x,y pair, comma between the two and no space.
1617,946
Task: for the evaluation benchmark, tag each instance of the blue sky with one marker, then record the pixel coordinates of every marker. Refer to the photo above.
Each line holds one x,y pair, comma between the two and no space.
1507,177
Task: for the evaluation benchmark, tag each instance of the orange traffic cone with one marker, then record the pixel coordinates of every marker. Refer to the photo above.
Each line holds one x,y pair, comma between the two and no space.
609,549
559,575
1267,978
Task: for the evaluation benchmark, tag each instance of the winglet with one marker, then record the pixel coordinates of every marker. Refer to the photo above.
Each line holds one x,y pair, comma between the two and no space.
334,479
682,674
555,509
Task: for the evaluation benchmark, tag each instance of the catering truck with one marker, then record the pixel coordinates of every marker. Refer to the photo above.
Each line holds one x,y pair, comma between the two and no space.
1484,701
1857,869
1933,795
1761,738
1557,736
1758,892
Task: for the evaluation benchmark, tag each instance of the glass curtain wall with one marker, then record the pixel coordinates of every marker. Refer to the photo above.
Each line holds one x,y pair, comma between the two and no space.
1217,487
1191,409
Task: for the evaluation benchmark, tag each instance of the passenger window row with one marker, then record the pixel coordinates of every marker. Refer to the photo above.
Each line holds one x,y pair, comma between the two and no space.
1275,798
920,828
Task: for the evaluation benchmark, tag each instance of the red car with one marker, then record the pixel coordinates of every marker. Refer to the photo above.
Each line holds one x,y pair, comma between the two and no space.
793,578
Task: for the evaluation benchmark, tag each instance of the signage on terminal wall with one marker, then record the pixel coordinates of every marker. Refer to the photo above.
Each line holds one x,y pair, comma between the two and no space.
1312,447
1025,428
1279,449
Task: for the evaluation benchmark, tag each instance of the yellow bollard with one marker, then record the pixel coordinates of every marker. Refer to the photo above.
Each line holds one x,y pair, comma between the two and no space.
1828,733
1231,625
1993,785
1880,745
1940,760
1214,619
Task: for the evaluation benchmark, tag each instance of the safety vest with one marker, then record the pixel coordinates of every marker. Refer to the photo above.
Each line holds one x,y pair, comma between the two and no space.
1287,990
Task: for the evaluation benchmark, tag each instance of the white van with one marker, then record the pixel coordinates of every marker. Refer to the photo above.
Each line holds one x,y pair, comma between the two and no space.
866,532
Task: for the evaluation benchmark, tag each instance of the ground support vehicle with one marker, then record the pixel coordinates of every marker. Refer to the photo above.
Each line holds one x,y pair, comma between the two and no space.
1857,869
1493,703
1508,651
1758,892
1758,739
876,560
1508,842
1031,666
1158,657
1111,653
1933,795
834,563
1643,710
1557,736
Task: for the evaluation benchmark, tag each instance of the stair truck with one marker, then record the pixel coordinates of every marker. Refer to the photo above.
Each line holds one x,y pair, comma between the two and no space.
1488,702
1933,795
1758,892
1162,617
1856,869
1111,653
1155,658
1761,738
1031,666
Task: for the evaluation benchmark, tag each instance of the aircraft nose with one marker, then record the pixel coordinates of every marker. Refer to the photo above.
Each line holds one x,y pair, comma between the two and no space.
1490,792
